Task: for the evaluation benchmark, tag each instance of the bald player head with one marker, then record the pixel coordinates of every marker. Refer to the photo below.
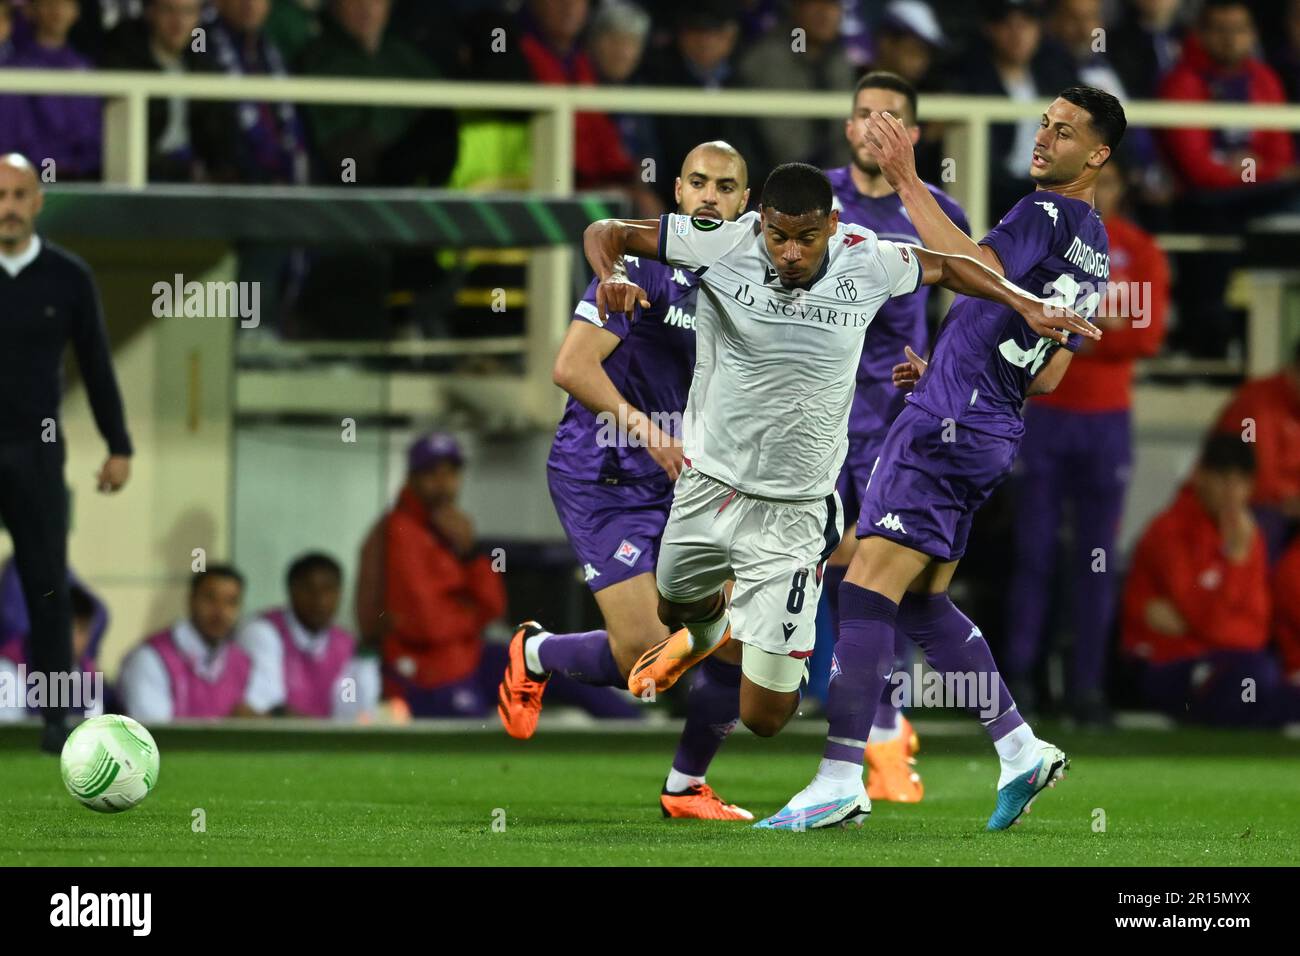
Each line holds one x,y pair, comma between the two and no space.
20,202
714,182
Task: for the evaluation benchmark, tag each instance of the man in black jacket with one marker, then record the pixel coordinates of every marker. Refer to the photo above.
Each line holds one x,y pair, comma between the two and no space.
49,300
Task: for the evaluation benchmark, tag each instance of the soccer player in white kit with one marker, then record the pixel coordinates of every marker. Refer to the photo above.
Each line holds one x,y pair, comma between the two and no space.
786,297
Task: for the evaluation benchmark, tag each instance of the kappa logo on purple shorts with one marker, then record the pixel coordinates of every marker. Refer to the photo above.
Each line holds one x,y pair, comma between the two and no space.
627,553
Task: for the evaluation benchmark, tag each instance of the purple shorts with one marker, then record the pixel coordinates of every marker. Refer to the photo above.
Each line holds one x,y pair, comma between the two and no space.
856,472
613,529
925,491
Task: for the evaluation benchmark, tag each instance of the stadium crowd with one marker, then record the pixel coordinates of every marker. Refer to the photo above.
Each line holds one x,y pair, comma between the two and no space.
1185,179
1211,596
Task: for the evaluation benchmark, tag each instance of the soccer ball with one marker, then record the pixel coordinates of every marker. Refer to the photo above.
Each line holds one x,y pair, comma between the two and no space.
110,763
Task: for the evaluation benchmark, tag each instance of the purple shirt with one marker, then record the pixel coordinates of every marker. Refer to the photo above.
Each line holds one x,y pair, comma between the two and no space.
985,354
66,129
651,367
900,321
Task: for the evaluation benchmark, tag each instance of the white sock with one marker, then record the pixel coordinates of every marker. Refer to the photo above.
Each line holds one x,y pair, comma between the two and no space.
883,735
838,771
1014,744
531,646
679,782
835,780
1019,752
705,635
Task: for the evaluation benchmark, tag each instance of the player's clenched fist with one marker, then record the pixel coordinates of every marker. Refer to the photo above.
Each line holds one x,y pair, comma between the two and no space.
618,293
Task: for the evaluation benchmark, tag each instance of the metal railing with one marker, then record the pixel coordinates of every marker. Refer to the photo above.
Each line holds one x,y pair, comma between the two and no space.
552,110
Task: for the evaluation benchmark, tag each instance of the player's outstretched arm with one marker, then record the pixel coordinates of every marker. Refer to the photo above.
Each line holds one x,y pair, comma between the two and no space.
888,143
604,242
966,276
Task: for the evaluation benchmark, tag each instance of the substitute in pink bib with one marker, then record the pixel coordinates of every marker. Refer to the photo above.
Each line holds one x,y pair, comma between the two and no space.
193,670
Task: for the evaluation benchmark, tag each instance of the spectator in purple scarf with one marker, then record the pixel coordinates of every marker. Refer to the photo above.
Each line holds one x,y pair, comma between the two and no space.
272,147
65,129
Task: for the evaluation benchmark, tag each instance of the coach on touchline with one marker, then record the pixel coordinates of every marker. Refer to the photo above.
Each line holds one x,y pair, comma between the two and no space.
49,299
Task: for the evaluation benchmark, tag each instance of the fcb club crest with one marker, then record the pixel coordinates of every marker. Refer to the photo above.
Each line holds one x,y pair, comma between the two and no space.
627,553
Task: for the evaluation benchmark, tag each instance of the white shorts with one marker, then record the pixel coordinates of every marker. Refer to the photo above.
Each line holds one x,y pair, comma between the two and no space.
775,552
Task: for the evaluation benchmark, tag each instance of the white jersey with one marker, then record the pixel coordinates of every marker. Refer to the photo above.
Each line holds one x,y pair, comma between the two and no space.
775,368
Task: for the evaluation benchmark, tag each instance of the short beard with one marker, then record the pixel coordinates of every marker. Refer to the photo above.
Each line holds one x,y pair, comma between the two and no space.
870,166
1046,177
10,242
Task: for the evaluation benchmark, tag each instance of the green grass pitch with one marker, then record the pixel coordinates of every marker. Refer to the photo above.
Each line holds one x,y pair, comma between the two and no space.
369,798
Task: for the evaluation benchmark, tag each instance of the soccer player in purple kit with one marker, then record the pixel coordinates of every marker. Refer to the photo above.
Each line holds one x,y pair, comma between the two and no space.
865,197
952,444
616,454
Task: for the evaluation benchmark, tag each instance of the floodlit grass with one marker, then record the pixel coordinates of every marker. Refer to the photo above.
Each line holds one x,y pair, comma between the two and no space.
324,799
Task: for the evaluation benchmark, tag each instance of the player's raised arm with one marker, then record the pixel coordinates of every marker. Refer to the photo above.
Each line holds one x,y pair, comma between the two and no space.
606,240
889,144
967,276
693,242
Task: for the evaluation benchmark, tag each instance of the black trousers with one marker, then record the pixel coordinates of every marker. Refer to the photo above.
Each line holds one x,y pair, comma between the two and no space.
34,509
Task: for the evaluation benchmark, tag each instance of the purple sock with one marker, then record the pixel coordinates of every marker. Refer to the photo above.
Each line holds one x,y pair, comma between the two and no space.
585,657
712,711
886,717
955,646
860,669
832,578
887,711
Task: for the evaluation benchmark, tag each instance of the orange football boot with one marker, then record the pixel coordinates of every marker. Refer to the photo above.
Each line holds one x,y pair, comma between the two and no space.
664,664
700,803
519,698
891,773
